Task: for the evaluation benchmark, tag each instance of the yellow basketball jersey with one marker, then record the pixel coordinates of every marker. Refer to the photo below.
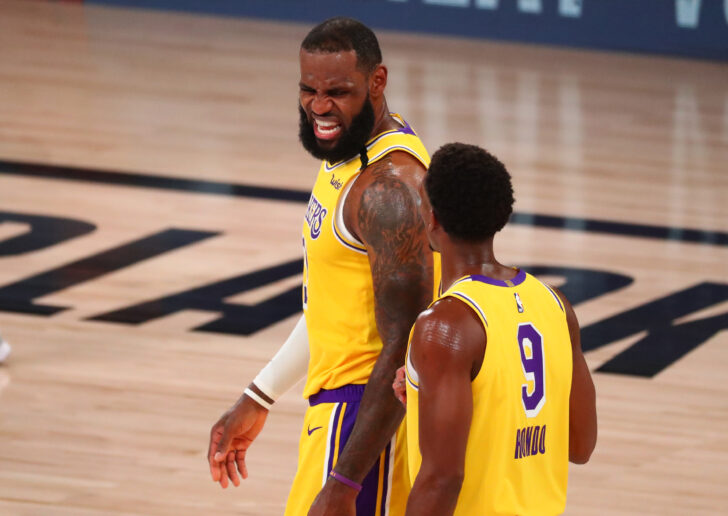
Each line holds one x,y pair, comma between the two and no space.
338,294
518,448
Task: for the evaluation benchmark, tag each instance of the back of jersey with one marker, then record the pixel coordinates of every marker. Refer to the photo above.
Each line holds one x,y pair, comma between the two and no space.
518,447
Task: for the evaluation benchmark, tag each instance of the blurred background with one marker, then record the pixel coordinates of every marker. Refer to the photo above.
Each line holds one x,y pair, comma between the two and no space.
152,190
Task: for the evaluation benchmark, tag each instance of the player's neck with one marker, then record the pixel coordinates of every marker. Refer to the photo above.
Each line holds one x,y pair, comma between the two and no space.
383,121
465,259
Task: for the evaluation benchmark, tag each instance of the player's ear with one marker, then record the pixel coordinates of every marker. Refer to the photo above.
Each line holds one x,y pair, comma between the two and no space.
377,81
431,221
433,229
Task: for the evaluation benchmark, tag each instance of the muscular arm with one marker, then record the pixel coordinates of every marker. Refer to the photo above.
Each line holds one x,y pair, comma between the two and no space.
582,401
387,221
447,350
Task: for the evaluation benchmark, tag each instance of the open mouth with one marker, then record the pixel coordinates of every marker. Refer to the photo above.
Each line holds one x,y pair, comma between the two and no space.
326,130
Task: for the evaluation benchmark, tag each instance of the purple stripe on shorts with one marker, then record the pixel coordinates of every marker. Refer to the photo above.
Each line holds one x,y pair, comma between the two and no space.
345,394
366,501
385,484
333,452
347,425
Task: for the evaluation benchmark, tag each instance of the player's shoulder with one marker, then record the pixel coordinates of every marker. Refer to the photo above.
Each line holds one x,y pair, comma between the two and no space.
446,321
384,197
396,167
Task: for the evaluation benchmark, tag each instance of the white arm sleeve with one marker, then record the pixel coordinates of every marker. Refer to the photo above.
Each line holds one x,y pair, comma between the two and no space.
288,366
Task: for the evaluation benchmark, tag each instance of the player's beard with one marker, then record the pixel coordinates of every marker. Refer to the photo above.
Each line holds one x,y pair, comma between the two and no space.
351,140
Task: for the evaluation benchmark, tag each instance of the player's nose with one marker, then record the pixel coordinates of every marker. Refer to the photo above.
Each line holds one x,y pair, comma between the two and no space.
321,105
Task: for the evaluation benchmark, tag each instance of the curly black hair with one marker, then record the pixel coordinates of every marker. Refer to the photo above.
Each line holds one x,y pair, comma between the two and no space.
342,34
470,191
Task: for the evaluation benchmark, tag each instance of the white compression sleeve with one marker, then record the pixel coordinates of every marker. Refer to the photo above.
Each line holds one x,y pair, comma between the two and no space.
288,366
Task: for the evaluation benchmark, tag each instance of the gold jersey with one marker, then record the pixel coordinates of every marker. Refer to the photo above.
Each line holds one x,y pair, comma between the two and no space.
338,294
518,448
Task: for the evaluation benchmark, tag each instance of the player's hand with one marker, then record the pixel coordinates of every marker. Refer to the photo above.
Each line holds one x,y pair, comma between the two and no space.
230,438
399,386
334,499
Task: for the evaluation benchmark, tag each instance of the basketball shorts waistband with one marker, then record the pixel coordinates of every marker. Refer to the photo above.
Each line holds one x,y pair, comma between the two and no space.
344,394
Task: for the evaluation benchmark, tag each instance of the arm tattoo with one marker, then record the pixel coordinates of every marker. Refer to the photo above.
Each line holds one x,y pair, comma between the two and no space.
399,255
401,263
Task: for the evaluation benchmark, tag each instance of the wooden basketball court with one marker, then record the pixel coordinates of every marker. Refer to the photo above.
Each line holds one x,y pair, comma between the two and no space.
151,195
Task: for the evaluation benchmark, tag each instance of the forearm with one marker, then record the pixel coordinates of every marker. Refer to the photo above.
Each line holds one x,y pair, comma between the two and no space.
582,413
380,414
434,495
399,300
286,368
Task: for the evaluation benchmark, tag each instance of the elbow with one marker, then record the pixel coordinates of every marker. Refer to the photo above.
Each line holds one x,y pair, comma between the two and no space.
582,434
580,451
581,457
449,487
452,483
446,484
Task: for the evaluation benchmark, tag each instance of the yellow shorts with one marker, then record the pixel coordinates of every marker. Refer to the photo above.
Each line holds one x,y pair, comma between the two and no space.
326,428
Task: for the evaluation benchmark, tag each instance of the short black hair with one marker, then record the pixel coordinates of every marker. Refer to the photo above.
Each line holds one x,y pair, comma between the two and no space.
470,191
342,34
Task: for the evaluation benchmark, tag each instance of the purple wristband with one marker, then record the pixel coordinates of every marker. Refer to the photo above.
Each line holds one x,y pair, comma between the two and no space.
341,478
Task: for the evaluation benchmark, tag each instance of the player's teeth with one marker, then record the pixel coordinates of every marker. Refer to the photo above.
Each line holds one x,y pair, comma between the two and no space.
325,124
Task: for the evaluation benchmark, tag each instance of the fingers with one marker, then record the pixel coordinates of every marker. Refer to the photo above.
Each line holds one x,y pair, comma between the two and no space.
215,471
400,387
224,445
231,471
229,440
240,460
215,435
221,459
224,481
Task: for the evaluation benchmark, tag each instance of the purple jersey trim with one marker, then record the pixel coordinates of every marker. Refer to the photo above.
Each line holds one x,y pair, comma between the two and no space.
393,148
411,383
405,129
338,164
472,303
555,296
520,278
343,241
345,394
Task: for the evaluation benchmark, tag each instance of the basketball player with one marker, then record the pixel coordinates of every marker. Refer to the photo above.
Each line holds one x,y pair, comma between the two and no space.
368,272
499,396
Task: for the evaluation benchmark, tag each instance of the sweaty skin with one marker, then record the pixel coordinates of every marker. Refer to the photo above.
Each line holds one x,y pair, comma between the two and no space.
448,345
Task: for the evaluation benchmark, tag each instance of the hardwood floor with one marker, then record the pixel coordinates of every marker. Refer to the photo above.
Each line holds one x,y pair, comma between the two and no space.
135,303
